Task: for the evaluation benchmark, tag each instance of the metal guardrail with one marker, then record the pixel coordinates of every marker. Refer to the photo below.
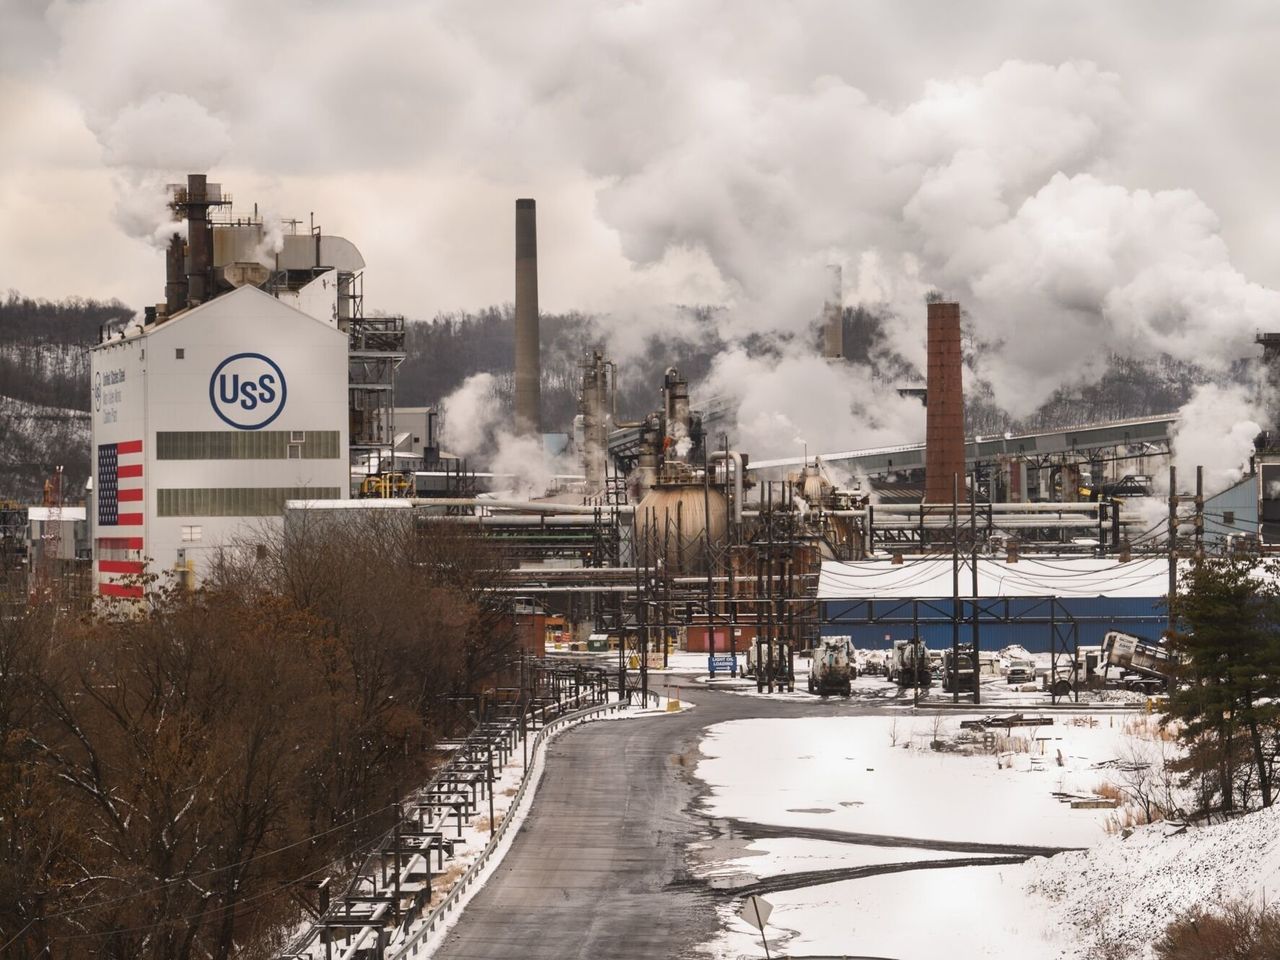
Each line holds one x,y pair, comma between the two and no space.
369,918
427,924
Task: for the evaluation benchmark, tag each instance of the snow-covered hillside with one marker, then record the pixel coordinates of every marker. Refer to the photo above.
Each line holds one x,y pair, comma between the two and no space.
1128,890
34,439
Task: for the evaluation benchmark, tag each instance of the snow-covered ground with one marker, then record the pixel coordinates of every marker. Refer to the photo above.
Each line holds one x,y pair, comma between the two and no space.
961,913
878,775
1129,889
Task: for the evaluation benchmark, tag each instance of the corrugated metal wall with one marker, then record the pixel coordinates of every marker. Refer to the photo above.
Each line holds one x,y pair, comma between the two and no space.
1094,616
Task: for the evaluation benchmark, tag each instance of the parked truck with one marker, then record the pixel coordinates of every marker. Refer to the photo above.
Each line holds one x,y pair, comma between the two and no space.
1020,670
769,663
833,669
1143,664
910,665
958,672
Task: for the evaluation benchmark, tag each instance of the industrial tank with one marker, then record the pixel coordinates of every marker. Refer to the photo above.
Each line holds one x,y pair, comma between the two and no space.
673,522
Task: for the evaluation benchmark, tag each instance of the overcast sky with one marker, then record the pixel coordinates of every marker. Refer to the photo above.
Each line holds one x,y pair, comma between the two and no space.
1100,173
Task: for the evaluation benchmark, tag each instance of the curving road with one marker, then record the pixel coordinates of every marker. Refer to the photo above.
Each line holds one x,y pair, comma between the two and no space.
598,868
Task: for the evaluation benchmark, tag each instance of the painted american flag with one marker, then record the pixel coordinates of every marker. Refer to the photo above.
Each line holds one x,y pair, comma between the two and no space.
120,492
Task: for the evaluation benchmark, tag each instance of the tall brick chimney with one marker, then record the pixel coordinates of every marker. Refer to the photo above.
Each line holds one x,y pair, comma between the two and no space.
944,416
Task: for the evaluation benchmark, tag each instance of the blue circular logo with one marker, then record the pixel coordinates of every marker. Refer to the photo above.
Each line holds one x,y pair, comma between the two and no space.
247,391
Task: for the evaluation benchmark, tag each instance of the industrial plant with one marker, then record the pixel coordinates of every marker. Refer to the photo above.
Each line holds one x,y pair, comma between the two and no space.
257,402
261,389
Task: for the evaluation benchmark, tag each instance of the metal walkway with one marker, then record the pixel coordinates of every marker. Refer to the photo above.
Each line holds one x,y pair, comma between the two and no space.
1141,436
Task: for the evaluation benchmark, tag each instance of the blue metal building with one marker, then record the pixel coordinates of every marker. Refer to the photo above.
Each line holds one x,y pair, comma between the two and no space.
1038,602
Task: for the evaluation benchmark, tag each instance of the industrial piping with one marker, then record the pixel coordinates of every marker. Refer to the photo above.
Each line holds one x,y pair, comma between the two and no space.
528,374
736,457
522,506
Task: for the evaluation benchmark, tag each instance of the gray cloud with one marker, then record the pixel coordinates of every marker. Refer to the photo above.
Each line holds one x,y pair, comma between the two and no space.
1085,179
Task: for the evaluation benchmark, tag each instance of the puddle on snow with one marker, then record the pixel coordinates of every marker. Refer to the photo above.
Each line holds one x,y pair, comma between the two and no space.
809,810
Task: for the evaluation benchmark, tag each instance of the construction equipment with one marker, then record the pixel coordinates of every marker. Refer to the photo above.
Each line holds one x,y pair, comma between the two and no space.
910,666
386,485
1143,663
958,670
769,663
833,667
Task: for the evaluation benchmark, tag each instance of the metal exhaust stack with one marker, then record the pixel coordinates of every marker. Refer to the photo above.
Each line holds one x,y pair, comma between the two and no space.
833,315
175,285
528,399
199,240
944,415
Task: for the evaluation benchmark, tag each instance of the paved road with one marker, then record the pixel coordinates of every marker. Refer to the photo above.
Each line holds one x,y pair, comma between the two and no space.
598,868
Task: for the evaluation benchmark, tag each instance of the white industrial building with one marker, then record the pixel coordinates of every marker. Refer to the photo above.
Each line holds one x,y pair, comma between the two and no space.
205,423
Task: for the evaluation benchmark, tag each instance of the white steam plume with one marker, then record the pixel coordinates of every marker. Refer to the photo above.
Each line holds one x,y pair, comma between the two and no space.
476,426
151,143
1215,430
731,159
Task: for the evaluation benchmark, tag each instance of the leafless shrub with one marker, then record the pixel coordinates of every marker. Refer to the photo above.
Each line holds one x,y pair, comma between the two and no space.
1236,930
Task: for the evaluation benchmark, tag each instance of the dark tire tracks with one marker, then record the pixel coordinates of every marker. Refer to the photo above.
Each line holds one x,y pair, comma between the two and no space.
813,878
747,828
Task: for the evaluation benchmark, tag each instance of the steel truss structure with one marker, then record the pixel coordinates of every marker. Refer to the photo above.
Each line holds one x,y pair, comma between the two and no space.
971,612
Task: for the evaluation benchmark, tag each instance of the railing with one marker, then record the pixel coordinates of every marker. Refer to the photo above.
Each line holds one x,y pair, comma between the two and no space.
372,909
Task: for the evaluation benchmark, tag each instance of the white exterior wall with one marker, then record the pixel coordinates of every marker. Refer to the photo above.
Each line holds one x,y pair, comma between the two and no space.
163,392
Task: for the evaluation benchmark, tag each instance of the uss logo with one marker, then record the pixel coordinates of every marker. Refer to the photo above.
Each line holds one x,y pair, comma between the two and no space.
247,390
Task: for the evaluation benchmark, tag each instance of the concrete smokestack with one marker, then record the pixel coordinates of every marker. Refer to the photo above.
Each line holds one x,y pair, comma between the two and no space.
944,416
833,315
528,363
594,402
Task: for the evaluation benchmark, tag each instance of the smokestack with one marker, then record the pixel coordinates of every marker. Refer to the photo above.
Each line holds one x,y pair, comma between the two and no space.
833,315
528,365
1270,343
944,415
595,419
175,277
199,240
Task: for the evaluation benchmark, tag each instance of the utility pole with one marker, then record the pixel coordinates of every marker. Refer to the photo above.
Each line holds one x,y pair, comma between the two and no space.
955,588
1173,541
1199,523
706,532
395,839
643,625
769,591
973,530
915,647
491,824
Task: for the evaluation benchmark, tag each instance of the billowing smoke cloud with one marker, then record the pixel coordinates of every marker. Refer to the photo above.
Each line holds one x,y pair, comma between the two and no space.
272,241
799,402
731,159
154,142
1216,431
475,425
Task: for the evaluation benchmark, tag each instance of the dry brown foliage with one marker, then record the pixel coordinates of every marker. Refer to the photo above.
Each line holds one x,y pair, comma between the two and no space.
1233,931
170,773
